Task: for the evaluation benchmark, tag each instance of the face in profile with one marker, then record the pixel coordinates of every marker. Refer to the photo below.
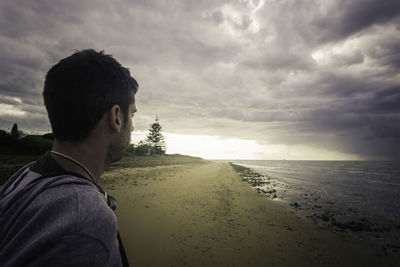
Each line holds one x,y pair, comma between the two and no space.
119,145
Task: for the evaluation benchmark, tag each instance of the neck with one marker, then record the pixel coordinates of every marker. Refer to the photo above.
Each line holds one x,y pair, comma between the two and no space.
91,155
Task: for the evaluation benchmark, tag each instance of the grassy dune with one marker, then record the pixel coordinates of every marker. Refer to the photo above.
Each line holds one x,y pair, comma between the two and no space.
10,163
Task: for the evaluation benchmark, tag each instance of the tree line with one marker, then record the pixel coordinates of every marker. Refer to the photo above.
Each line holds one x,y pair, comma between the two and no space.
16,141
154,144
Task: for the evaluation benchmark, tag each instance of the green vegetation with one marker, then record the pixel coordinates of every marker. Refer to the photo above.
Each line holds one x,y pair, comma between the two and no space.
18,149
141,148
11,163
154,144
135,161
18,144
156,138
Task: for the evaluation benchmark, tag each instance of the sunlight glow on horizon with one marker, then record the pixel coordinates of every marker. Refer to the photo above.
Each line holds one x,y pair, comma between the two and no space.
214,147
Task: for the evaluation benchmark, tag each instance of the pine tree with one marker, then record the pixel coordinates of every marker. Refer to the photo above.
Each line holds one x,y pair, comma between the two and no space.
15,133
156,138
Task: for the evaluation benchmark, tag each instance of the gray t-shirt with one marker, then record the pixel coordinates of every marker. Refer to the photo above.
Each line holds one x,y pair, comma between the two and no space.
61,220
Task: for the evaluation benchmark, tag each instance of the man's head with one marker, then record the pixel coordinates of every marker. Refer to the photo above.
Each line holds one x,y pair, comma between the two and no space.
89,94
81,88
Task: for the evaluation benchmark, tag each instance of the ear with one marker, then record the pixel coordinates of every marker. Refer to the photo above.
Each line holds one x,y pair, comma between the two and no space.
116,118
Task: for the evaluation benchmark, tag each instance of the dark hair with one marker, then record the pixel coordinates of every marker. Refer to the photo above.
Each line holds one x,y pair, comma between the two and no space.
80,88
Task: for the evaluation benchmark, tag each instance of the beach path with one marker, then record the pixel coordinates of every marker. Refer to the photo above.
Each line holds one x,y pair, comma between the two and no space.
205,215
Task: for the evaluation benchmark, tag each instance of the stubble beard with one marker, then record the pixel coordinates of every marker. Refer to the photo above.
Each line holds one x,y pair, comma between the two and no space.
117,148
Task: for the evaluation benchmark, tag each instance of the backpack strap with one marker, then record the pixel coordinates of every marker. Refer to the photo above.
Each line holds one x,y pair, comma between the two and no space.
124,258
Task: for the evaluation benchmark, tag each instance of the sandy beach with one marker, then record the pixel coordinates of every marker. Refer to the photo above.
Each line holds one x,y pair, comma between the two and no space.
203,214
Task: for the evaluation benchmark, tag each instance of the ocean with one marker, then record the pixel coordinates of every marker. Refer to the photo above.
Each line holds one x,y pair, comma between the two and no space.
361,197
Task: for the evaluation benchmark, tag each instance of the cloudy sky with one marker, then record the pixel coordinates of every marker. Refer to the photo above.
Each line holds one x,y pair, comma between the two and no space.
262,79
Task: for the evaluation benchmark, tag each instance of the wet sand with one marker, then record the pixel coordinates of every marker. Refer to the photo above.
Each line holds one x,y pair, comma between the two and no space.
203,214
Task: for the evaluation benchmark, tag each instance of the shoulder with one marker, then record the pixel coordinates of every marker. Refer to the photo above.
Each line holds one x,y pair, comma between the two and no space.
70,209
94,213
76,206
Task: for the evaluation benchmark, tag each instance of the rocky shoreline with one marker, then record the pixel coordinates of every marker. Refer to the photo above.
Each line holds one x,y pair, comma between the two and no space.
347,220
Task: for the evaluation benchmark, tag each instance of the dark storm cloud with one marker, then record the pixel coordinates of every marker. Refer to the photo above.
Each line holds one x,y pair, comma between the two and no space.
317,73
331,84
353,114
344,18
387,53
386,101
371,135
30,32
367,125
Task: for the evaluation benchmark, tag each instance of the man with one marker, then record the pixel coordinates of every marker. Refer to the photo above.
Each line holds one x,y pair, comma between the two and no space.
52,212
